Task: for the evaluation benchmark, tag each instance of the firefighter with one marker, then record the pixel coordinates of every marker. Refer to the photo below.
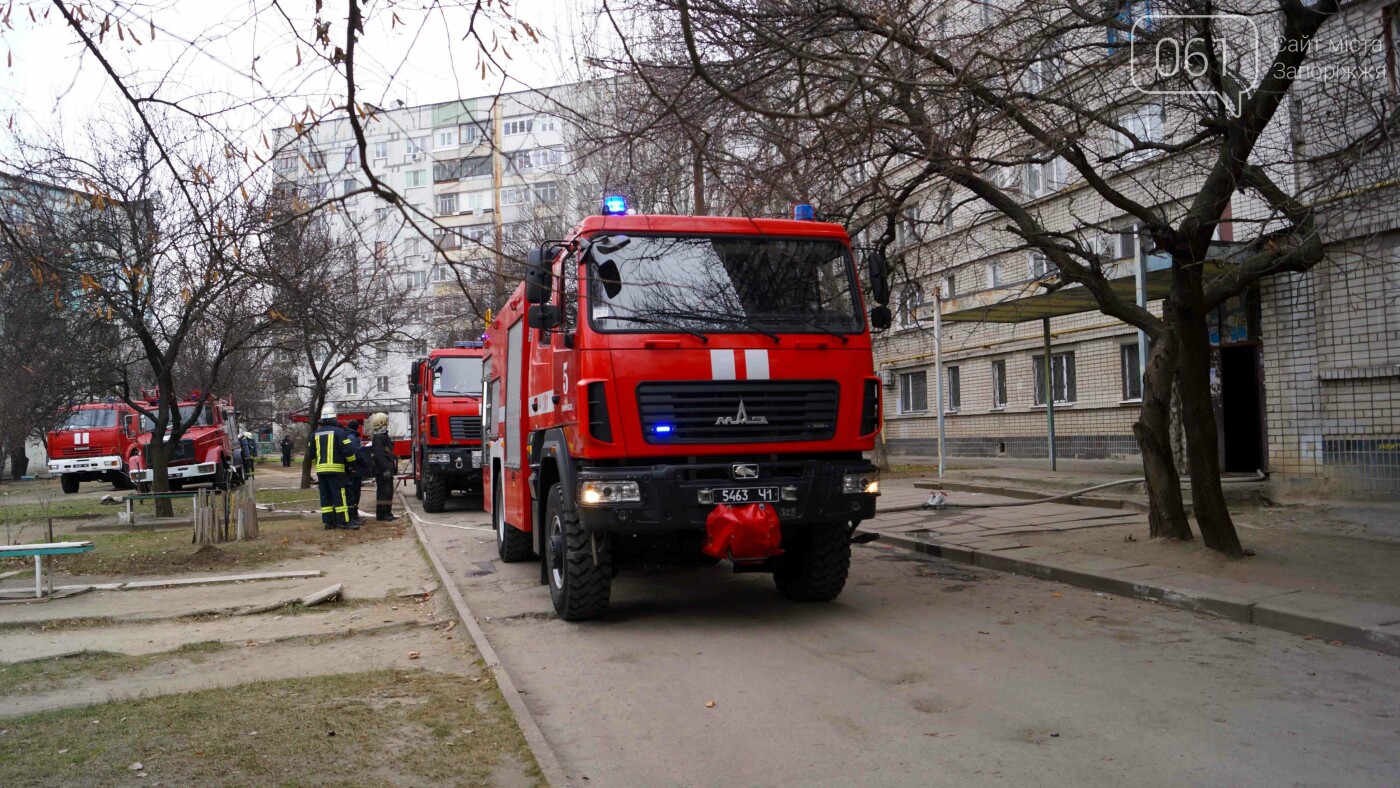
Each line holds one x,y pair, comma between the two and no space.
364,468
286,451
333,456
385,467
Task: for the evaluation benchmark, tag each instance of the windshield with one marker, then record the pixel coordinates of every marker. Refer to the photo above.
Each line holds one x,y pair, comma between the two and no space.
457,376
736,283
206,417
90,419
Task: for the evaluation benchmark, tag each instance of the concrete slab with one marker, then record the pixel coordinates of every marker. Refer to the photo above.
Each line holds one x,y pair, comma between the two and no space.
1206,594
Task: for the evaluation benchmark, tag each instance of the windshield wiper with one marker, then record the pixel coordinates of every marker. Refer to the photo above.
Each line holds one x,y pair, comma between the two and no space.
811,322
736,319
656,321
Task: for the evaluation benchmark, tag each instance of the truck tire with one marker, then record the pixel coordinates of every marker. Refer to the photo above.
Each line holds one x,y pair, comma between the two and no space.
121,481
512,544
814,567
69,482
578,587
434,494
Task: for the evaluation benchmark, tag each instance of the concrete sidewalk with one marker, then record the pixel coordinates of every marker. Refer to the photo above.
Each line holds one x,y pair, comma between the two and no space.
996,538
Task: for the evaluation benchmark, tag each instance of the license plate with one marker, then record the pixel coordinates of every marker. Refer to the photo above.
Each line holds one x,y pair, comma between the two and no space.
747,495
476,459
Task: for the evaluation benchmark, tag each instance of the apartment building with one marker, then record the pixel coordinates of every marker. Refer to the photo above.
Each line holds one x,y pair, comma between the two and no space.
1306,368
482,176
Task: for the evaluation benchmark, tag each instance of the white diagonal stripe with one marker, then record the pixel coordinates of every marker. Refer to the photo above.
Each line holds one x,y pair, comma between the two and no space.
756,364
722,365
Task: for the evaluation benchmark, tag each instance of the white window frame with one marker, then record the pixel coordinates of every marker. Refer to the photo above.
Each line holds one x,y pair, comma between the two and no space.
1146,122
415,178
1039,265
953,389
352,386
446,138
999,387
995,278
516,127
446,204
381,384
1132,379
380,150
1062,373
910,298
907,390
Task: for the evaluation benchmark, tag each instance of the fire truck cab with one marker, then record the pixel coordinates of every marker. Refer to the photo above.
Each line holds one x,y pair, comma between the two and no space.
205,450
95,442
446,391
660,381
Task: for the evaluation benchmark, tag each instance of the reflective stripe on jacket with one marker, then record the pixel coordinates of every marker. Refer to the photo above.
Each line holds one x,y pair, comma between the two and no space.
331,450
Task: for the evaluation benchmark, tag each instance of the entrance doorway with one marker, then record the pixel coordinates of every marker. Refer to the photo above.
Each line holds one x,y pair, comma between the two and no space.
1242,409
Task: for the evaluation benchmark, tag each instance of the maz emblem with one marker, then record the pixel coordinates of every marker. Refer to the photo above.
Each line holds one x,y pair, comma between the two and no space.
745,471
742,417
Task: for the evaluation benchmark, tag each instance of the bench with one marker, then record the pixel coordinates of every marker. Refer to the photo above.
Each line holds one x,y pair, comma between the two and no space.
39,551
128,516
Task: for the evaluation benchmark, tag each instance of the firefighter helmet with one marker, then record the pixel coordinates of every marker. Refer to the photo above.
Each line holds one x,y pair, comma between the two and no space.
379,422
328,411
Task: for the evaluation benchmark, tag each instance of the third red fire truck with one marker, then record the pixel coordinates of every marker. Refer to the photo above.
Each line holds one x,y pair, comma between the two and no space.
96,442
205,451
446,417
684,389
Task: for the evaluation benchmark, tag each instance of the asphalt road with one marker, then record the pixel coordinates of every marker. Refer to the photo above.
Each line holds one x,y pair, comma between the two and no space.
924,672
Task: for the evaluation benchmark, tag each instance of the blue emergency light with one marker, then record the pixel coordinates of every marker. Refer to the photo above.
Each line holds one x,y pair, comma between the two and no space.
615,205
663,429
804,212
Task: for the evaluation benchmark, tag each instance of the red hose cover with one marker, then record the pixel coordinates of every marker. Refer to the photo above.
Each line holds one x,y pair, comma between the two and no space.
750,532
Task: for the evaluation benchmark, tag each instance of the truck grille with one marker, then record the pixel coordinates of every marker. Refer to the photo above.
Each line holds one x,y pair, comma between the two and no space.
465,428
65,452
738,411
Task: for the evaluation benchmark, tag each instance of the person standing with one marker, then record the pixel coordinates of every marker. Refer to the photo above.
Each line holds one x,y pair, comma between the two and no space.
386,467
362,469
333,456
286,451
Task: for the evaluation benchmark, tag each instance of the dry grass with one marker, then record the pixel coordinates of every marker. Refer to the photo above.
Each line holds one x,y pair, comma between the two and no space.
387,727
40,675
165,552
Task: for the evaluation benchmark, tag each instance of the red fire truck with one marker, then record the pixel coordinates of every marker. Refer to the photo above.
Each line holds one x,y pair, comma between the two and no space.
95,442
684,389
446,419
205,451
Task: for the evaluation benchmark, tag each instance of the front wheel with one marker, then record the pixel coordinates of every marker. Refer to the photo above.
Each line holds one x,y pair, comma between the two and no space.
815,563
579,567
434,494
512,544
69,482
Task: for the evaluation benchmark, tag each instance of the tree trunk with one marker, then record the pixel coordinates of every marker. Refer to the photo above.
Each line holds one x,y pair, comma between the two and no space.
160,476
1166,514
1198,415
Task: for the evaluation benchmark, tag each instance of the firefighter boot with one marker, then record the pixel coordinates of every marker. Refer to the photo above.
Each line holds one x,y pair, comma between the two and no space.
384,512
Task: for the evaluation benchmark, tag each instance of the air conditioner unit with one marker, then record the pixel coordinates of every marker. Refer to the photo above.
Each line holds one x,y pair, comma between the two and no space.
465,212
414,157
488,210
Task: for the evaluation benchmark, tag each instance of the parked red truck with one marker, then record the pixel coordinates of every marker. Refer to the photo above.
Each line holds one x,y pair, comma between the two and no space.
682,389
446,418
96,442
205,451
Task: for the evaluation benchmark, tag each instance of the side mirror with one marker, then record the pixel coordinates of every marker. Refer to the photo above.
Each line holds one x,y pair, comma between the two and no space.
879,277
129,425
414,370
537,278
880,318
544,316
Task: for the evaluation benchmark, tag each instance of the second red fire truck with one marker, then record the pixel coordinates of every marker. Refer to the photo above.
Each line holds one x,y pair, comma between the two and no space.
446,416
95,443
205,450
682,390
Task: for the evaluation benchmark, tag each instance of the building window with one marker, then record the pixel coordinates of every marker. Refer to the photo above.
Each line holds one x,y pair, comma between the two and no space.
1062,377
1040,266
352,385
1145,125
381,249
518,126
1131,365
520,161
348,185
516,195
466,134
954,388
420,347
446,204
913,392
909,300
995,278
446,239
417,278
1125,247
999,383
381,150
381,352
415,178
381,384
546,193
548,123
444,138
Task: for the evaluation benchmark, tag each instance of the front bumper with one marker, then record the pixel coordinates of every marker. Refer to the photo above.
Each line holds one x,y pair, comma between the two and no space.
671,493
86,465
191,471
454,461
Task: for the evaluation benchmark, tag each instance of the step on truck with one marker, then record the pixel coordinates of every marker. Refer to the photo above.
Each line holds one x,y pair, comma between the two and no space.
667,389
205,451
94,443
446,420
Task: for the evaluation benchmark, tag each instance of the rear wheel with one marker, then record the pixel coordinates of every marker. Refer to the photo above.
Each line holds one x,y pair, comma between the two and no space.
814,566
512,544
69,482
434,494
579,585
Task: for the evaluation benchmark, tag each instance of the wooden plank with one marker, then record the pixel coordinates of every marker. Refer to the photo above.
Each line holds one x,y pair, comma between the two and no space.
48,548
199,581
324,595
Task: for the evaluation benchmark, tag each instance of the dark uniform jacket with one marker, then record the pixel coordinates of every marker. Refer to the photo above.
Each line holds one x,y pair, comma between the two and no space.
385,463
332,450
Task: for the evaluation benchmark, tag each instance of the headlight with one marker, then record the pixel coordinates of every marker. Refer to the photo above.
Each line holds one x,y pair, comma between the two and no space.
861,483
601,493
439,458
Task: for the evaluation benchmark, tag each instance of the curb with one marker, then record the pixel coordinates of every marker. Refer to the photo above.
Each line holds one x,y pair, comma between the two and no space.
1327,617
545,758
